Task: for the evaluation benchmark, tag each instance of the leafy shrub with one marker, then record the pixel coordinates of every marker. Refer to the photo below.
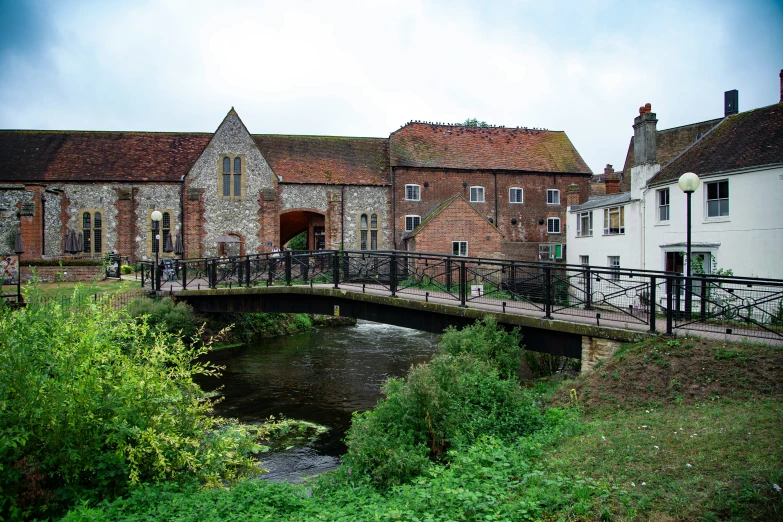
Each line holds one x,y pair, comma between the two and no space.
448,403
126,269
164,313
486,341
92,403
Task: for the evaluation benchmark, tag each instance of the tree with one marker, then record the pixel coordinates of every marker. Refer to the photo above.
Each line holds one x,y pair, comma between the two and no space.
473,122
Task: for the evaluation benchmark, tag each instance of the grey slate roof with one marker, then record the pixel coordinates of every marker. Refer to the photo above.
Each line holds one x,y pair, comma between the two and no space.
611,200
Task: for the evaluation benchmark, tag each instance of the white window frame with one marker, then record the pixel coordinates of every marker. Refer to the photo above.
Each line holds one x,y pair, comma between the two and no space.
462,252
584,260
580,231
707,200
415,192
550,222
613,262
608,220
516,197
552,197
415,220
478,188
661,206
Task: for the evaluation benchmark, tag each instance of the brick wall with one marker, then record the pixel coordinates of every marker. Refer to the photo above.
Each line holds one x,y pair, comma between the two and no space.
63,273
458,222
443,184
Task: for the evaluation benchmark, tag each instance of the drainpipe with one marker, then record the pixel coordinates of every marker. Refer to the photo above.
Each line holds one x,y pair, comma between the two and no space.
497,224
182,211
342,216
43,224
394,209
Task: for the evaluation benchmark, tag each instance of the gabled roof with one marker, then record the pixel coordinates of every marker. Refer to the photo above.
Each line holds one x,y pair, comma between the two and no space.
98,156
431,215
326,159
671,142
429,145
611,200
745,140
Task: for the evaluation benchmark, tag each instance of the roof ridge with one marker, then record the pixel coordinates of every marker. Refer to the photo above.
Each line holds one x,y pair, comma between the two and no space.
688,148
320,136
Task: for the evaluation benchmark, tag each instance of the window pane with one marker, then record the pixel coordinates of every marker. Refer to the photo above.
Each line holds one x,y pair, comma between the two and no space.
363,221
412,192
723,189
98,238
166,220
86,220
712,191
226,184
363,245
373,240
97,220
237,185
724,207
86,241
237,165
374,221
713,208
553,197
515,195
226,165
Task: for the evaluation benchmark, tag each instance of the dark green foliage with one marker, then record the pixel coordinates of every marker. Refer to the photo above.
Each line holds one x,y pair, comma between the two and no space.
299,242
126,269
247,327
455,399
92,403
164,313
473,122
487,342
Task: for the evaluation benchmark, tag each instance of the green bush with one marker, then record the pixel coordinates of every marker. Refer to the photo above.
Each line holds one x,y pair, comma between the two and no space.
92,403
488,342
164,313
448,403
126,269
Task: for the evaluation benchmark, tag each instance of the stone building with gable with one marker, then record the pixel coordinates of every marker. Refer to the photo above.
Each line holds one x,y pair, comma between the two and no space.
345,192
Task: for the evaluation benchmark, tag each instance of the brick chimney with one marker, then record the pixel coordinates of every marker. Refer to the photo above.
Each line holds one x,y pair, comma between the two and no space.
572,195
597,188
644,136
608,169
612,184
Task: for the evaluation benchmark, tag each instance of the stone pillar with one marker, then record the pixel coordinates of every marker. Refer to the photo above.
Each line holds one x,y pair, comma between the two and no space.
595,350
334,220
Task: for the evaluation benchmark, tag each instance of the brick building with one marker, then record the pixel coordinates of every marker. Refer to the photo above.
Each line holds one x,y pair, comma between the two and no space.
504,184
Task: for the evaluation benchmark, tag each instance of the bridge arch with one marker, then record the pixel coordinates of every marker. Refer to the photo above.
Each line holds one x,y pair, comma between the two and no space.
297,220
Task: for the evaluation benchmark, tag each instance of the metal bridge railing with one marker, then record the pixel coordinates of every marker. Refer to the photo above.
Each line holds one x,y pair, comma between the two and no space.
660,301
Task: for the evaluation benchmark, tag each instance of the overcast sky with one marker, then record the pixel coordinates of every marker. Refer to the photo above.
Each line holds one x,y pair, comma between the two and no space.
365,68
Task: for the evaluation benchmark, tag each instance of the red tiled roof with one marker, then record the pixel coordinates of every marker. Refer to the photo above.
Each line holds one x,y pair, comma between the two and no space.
457,147
326,159
745,140
98,156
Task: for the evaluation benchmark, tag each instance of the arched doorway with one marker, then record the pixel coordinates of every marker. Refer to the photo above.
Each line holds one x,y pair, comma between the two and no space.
294,222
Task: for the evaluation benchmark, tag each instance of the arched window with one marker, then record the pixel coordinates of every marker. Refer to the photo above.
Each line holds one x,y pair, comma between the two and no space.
164,244
226,176
226,165
363,232
237,177
92,232
231,180
374,232
165,235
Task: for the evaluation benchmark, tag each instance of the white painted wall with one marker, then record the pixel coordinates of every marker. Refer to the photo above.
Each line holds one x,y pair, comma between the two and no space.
751,238
599,247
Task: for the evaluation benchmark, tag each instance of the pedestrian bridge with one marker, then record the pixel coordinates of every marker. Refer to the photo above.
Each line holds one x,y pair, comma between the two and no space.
572,310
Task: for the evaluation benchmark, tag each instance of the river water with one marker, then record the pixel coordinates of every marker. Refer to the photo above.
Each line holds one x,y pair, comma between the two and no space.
321,376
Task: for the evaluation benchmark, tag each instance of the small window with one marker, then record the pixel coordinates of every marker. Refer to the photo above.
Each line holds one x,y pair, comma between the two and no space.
553,225
231,181
552,197
226,165
412,222
166,231
227,185
548,251
459,248
237,165
363,222
614,220
717,199
412,193
584,260
584,224
515,195
663,205
373,240
477,194
614,264
374,221
363,240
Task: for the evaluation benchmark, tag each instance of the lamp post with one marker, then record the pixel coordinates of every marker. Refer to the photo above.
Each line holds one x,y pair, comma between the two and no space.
156,217
688,183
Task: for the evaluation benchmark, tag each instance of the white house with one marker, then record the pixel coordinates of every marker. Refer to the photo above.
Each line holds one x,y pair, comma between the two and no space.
737,210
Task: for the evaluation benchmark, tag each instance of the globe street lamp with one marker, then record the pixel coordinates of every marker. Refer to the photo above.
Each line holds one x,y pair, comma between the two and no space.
156,217
688,183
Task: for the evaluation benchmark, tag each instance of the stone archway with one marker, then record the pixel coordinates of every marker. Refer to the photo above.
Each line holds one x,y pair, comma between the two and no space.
295,221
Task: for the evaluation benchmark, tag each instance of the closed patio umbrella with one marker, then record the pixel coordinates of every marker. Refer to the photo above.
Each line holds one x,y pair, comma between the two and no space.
178,248
18,245
79,243
67,241
167,246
